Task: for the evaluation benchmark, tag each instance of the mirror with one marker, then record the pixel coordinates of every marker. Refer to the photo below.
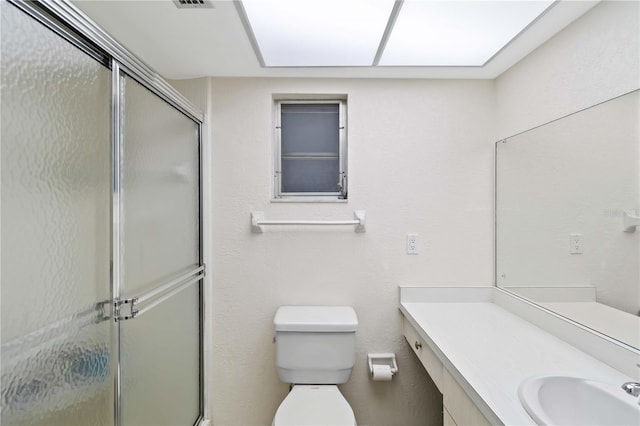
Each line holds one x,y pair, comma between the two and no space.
563,190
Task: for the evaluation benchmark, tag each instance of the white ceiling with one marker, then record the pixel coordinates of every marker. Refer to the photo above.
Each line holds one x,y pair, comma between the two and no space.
187,43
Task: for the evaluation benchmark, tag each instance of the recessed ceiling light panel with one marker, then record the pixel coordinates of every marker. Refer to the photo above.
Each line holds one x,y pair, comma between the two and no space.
456,33
316,33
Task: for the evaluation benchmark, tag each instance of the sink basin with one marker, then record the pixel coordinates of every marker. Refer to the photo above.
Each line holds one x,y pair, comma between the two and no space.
561,400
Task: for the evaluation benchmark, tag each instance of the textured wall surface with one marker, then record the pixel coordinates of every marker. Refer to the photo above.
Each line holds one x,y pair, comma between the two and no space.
420,160
594,59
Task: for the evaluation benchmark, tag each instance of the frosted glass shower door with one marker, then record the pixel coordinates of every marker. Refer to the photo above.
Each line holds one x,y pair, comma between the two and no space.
160,265
57,357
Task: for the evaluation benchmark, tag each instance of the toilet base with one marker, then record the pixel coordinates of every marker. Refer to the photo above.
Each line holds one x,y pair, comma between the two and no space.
314,405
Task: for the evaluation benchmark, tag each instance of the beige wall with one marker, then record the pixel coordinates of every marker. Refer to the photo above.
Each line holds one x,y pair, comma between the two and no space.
592,60
418,162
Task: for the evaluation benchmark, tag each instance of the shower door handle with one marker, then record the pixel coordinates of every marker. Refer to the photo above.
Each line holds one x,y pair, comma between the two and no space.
157,295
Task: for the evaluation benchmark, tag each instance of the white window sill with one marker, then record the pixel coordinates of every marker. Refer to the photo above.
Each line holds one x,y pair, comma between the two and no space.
309,200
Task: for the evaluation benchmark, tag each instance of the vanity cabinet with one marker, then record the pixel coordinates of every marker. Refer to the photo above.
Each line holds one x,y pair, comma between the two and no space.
458,408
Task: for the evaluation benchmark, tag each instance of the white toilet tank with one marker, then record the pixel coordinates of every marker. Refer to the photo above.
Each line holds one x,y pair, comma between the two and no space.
315,344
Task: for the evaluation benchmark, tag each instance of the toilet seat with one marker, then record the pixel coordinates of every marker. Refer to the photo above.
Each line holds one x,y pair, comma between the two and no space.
314,405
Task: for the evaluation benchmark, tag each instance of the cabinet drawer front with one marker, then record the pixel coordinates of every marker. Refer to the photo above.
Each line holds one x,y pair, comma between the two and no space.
426,356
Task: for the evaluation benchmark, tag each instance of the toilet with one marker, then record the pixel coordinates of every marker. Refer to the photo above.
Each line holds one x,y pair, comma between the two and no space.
315,352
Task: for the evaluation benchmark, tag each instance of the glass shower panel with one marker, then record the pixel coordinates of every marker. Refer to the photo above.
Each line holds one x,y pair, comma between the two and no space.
160,191
56,193
160,242
161,363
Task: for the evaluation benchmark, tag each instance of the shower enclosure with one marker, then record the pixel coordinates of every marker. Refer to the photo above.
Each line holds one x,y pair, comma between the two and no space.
101,255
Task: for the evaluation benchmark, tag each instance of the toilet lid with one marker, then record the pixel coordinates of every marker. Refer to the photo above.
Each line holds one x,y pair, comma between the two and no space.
314,405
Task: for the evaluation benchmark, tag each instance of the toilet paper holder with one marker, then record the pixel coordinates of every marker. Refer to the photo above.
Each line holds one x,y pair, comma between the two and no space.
387,358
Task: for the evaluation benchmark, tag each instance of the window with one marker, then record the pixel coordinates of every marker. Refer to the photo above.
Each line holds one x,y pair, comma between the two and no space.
310,150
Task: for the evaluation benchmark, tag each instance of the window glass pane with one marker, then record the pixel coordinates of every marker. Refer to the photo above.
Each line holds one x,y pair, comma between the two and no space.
310,175
310,128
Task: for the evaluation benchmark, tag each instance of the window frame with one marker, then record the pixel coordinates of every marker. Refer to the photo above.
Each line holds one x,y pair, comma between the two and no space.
337,196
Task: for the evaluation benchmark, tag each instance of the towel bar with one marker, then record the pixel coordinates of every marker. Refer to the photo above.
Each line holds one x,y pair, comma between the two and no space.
258,221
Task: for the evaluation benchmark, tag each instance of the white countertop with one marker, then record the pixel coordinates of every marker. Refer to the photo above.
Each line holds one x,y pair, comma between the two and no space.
490,351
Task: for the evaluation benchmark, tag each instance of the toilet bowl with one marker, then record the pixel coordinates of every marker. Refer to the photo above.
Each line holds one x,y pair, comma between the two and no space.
315,351
319,405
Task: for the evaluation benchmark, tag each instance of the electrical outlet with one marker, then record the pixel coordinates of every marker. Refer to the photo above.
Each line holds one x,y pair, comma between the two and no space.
575,243
412,243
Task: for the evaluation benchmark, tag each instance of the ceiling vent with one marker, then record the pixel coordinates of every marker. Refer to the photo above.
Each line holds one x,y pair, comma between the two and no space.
193,4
